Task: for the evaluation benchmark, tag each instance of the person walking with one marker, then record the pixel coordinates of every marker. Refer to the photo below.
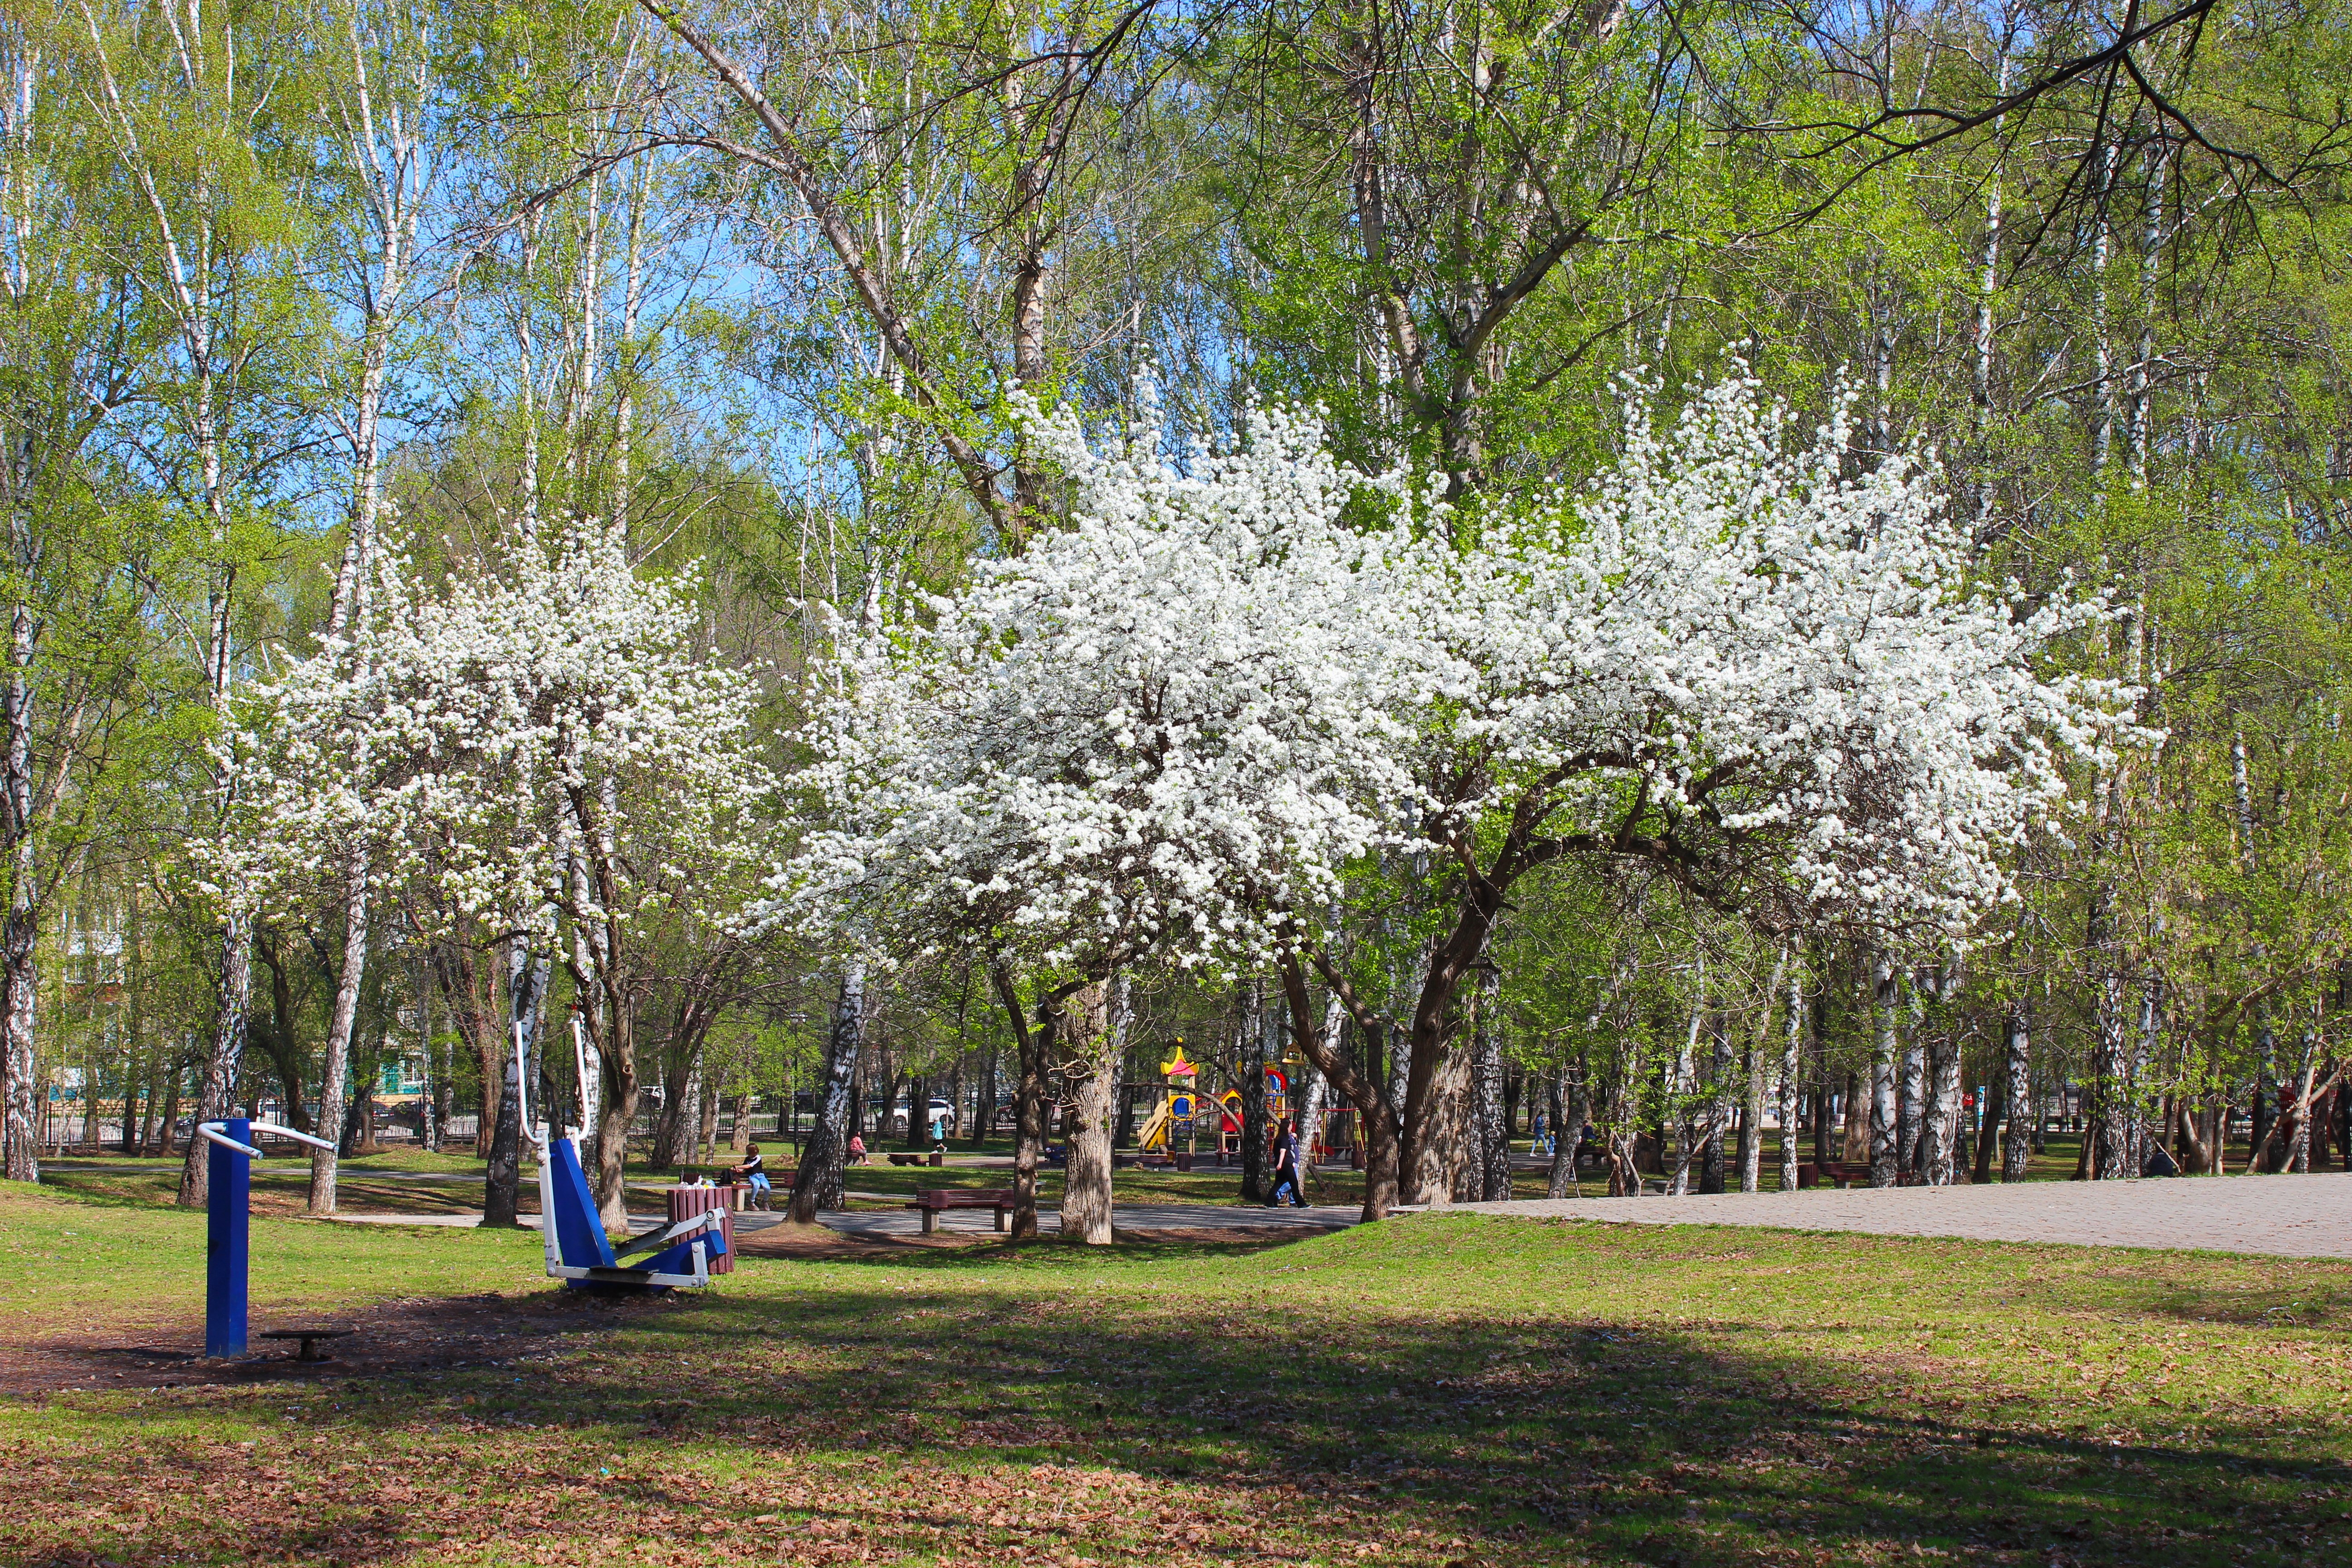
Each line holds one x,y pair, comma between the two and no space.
1284,1181
1301,1157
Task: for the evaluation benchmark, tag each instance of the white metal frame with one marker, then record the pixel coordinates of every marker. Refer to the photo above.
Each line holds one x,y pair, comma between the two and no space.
217,1132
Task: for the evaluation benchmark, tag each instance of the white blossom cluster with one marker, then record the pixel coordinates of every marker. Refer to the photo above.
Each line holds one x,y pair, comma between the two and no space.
1172,726
478,735
1778,676
1153,731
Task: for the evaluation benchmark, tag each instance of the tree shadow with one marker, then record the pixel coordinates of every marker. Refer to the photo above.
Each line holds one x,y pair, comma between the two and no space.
1515,1434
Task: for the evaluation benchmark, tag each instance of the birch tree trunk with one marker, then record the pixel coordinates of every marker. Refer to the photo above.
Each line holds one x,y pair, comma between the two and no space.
526,994
817,1184
1258,1026
1683,1139
1883,1131
1791,1069
1494,1133
1910,1102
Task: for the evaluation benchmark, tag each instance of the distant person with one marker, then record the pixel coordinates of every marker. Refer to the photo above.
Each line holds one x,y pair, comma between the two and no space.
1301,1159
1285,1179
856,1149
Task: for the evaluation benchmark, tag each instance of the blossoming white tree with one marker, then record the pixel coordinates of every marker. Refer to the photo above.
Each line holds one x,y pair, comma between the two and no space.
548,751
1147,736
1741,668
1170,728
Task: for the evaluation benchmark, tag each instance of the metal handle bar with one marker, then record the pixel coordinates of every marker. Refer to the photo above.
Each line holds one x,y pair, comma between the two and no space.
327,1144
522,1091
215,1131
212,1132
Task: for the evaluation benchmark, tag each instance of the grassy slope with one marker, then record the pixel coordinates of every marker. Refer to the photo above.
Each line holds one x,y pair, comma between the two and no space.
1432,1391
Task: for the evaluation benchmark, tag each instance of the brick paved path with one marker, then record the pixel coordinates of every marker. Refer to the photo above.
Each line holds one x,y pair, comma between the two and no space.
1203,1217
2288,1217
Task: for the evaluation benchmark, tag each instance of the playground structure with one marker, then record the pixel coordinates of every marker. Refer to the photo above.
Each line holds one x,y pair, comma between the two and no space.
579,1253
1185,1110
1173,1118
228,1226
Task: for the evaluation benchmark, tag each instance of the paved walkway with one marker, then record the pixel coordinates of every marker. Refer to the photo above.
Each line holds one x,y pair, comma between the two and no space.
2285,1216
1203,1217
894,1221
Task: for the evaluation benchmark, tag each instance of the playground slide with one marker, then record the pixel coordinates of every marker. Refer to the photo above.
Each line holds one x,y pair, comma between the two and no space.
1155,1131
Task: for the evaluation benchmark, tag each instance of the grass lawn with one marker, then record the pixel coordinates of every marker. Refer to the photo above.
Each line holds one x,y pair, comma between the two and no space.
1433,1391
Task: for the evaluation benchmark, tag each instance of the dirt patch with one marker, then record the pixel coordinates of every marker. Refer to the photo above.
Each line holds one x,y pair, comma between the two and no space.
394,1337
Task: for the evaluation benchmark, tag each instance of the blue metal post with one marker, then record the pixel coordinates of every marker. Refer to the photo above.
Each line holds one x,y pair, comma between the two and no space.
227,1219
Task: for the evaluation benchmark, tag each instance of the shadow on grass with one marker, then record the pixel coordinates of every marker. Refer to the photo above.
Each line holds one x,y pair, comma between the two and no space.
1520,1436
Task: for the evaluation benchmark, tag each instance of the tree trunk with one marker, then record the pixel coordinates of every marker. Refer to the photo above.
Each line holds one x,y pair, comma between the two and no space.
739,1139
526,993
1491,1120
1721,1107
1990,1114
172,1074
1376,1119
1791,1066
340,1023
918,1099
1257,1023
229,999
1093,1029
983,1112
1318,1100
817,1184
1910,1093
1884,1133
706,1128
618,1090
1032,1103
1435,1156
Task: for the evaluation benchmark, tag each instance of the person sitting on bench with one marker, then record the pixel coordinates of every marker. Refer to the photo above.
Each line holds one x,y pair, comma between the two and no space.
753,1174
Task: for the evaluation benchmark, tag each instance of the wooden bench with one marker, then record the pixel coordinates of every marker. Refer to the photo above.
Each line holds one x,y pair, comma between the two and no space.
936,1201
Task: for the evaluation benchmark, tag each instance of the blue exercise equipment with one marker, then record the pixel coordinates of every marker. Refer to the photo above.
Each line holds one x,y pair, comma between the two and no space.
228,1220
578,1251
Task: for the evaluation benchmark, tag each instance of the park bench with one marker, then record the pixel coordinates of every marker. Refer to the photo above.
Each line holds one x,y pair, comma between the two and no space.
935,1200
1839,1172
934,1158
